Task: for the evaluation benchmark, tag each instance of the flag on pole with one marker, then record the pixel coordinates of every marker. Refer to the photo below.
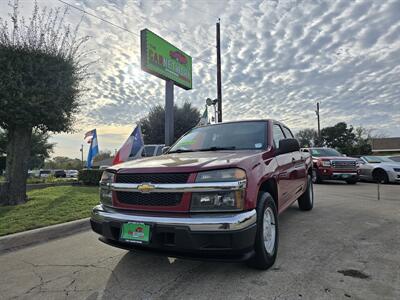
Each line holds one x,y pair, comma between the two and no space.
131,146
204,118
94,146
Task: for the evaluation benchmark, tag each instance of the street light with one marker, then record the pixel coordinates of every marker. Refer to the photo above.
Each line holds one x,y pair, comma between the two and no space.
210,102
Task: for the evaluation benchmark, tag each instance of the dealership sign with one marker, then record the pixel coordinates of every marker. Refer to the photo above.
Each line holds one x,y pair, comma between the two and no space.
162,59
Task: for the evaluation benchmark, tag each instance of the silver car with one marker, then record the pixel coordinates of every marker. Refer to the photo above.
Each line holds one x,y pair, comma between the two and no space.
379,168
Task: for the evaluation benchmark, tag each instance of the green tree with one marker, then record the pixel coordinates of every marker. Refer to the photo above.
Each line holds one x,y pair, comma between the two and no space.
102,155
40,86
362,145
40,147
339,137
64,163
185,118
307,137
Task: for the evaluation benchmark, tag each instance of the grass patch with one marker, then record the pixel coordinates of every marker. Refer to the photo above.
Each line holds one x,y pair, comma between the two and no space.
49,206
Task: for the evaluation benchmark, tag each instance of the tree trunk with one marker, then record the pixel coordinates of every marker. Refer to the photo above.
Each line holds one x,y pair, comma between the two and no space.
18,151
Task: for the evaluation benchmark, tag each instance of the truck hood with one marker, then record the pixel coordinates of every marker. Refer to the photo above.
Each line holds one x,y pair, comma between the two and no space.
188,162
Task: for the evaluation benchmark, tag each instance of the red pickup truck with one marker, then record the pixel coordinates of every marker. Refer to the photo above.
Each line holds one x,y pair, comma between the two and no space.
215,194
329,164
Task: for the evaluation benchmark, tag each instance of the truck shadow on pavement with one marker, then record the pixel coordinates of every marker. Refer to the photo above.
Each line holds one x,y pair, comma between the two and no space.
139,275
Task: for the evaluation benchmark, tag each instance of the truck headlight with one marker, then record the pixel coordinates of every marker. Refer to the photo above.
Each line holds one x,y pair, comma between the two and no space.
105,190
220,200
217,201
326,163
233,174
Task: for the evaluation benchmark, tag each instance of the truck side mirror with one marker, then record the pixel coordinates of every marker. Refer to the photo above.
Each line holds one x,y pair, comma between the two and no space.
165,149
287,146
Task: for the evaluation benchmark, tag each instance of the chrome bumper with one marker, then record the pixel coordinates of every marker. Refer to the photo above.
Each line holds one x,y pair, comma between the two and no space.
221,222
344,174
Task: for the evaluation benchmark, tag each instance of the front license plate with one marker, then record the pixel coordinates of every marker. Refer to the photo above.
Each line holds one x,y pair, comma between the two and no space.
345,175
135,232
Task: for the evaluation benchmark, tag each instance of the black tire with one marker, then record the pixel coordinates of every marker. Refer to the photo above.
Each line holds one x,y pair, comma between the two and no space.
352,181
306,201
315,177
379,175
262,260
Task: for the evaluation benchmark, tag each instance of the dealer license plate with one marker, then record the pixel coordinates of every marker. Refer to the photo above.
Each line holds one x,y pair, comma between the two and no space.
135,232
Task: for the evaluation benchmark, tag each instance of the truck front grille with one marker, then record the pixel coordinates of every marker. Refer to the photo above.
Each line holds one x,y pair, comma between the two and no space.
344,164
152,199
153,178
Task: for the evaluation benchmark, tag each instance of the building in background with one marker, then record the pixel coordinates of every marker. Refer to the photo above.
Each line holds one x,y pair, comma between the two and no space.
386,145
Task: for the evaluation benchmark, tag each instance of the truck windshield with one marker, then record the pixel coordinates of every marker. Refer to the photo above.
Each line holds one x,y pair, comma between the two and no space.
324,152
225,136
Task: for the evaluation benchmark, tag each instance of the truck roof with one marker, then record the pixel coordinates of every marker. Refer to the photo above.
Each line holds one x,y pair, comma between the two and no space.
241,121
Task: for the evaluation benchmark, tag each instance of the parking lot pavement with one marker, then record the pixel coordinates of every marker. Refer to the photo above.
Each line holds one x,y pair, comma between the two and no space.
347,247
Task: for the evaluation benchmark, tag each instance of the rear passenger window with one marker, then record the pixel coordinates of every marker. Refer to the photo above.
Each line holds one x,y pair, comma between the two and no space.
159,150
148,151
288,133
278,135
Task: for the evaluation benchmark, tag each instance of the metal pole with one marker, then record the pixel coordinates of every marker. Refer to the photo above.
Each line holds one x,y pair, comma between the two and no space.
82,155
219,87
169,112
319,125
379,190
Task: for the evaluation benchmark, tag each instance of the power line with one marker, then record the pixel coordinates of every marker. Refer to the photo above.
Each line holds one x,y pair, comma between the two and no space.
100,18
120,27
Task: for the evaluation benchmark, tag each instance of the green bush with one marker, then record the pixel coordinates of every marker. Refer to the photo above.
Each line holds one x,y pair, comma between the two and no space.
90,176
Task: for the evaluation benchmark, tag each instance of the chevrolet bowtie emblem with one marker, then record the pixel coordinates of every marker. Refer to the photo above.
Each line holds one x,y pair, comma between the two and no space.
145,187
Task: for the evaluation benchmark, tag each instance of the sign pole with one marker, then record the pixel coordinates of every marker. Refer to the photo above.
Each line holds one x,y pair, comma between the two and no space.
219,88
319,125
169,112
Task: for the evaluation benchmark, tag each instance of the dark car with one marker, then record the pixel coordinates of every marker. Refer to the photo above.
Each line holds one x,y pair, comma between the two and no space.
216,194
59,173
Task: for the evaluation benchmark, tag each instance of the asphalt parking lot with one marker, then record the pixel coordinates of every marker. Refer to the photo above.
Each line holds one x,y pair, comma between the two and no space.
347,247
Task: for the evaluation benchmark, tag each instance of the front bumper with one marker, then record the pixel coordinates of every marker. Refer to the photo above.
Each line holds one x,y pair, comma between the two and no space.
394,176
228,236
329,174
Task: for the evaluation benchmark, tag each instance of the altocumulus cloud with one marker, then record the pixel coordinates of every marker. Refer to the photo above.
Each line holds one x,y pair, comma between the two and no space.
279,58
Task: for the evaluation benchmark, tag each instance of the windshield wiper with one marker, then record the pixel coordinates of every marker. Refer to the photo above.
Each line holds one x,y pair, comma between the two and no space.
181,151
217,148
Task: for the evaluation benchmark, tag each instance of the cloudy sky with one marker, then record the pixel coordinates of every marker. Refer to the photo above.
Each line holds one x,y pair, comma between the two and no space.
278,59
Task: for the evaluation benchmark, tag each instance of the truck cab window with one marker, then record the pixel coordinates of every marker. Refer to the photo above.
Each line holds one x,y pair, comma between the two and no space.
278,135
287,132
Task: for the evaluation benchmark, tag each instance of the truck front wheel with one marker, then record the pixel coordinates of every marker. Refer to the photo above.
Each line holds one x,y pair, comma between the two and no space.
266,243
315,177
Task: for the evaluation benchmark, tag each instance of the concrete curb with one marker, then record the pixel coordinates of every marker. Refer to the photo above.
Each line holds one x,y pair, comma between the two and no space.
41,235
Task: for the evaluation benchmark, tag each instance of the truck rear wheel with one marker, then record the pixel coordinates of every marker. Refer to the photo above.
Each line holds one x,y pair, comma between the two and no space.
306,201
266,243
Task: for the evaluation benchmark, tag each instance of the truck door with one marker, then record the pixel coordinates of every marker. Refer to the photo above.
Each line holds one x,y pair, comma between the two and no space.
299,172
286,184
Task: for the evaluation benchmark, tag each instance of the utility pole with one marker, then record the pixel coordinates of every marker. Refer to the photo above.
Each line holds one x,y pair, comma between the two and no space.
82,155
319,125
219,87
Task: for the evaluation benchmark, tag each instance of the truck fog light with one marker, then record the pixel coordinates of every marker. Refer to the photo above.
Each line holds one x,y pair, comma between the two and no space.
218,201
